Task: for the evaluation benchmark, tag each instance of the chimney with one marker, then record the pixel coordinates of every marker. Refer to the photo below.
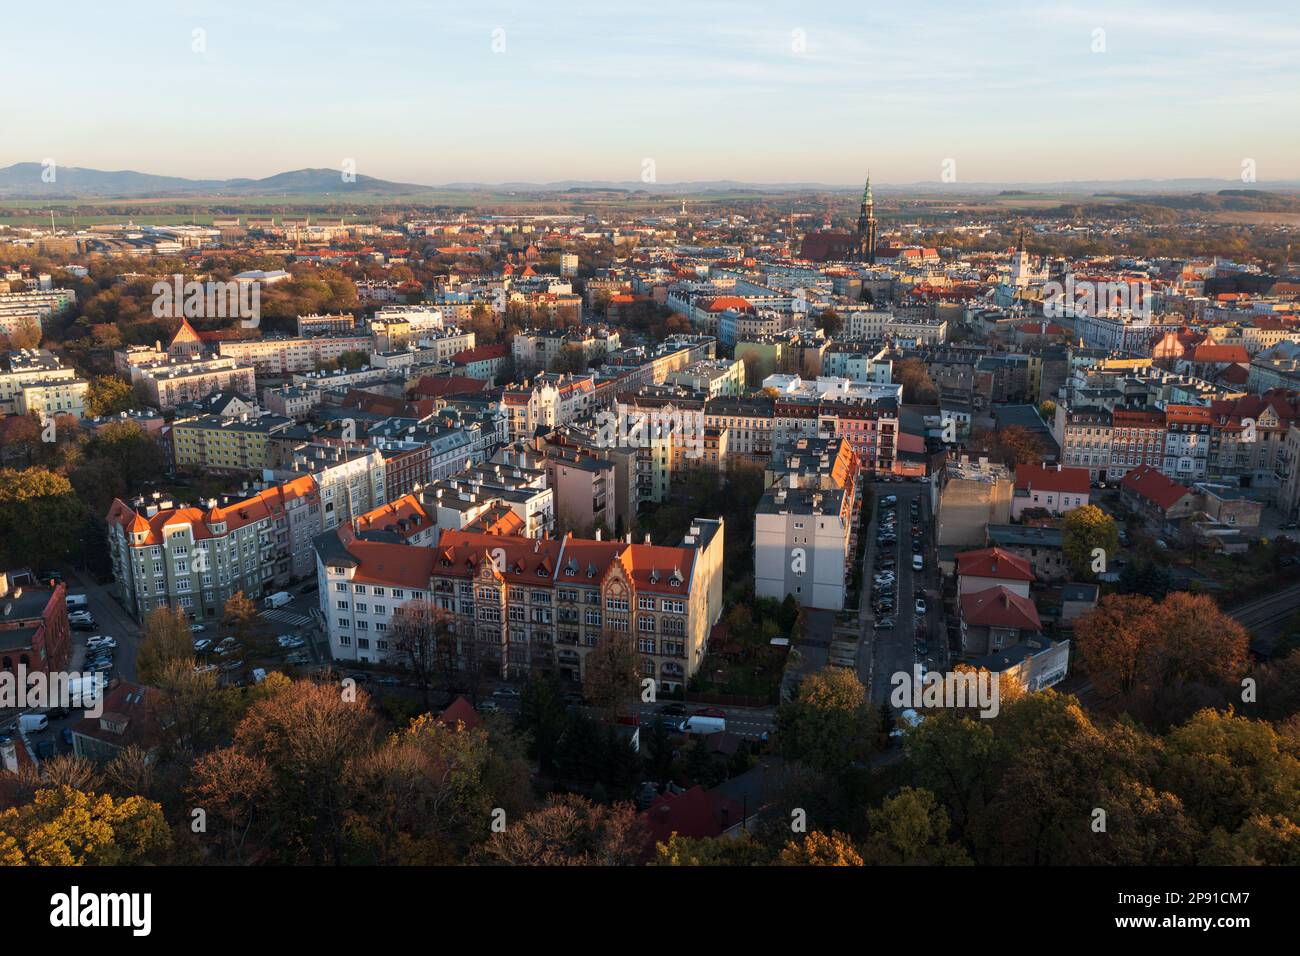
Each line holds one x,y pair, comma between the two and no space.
647,538
597,534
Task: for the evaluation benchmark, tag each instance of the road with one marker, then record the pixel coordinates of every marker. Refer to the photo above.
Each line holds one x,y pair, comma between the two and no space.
1264,617
885,653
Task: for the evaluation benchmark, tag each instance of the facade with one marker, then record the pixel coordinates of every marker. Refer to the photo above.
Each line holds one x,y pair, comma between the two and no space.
512,603
34,381
1055,489
196,558
176,382
805,523
34,633
218,445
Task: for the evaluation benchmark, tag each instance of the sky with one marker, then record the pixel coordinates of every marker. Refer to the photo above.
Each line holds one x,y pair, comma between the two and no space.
765,92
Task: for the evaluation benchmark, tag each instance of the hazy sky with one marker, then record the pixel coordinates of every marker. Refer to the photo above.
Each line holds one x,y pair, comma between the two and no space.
760,91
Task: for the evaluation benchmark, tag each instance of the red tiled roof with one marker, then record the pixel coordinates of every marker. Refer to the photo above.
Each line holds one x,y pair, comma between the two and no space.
481,353
994,563
999,607
1052,478
1207,352
697,813
461,712
1155,486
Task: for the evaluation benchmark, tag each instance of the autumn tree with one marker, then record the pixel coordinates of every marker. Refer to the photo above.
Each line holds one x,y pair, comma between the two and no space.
229,786
918,387
239,614
1162,661
911,828
109,395
66,827
610,677
1084,532
569,831
830,725
307,734
820,849
167,639
741,850
421,641
40,517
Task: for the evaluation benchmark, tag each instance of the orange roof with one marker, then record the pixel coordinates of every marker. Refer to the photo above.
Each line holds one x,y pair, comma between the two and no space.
1052,478
1155,486
1000,607
993,563
724,302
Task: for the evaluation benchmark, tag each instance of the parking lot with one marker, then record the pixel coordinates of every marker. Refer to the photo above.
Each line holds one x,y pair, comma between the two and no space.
895,532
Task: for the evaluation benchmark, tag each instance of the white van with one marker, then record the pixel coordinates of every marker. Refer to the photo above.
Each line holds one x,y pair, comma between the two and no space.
918,563
74,601
33,723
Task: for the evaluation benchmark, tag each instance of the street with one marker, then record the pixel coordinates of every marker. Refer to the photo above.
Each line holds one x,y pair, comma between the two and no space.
887,652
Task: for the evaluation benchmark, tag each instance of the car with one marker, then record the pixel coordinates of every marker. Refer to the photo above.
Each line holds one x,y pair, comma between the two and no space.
673,710
225,650
81,615
285,640
889,500
920,606
711,712
391,680
202,644
1289,526
296,658
82,625
506,692
229,666
294,644
198,628
101,640
489,706
884,624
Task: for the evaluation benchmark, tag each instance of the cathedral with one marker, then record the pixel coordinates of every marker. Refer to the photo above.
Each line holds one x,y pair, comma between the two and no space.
857,246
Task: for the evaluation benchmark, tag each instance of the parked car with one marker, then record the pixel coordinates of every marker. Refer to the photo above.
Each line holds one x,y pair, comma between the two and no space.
920,606
489,706
296,658
198,628
202,644
884,624
101,640
506,692
673,710
390,680
229,666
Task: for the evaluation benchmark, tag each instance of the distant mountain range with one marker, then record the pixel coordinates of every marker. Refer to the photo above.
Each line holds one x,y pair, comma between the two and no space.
24,181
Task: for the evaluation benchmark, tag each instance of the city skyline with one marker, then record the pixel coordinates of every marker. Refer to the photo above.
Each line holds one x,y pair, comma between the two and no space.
700,93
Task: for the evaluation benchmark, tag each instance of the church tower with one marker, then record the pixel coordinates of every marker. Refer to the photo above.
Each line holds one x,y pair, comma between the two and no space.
866,237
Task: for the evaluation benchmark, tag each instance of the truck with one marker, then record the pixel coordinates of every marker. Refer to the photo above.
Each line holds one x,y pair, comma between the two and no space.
702,725
278,599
